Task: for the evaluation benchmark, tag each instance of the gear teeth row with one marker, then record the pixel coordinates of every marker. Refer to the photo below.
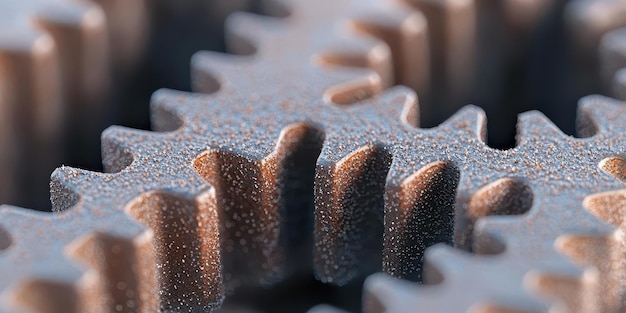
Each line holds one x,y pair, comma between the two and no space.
613,61
501,241
55,61
128,154
216,188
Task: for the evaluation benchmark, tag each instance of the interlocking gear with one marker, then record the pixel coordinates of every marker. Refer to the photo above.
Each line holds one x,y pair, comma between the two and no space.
213,199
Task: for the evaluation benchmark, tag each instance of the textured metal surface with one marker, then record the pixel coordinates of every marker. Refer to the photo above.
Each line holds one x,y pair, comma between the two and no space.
211,200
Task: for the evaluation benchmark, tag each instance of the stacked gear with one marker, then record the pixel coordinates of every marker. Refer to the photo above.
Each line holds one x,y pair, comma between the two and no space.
300,154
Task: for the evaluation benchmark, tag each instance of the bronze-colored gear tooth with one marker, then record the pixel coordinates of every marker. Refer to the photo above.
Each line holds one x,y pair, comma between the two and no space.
282,161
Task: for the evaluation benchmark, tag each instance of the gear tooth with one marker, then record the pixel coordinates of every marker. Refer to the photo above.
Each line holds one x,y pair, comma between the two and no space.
111,272
598,114
118,145
427,195
65,21
384,293
489,235
246,32
10,214
361,52
24,41
398,94
589,20
452,33
344,231
211,71
324,308
183,233
615,166
298,136
251,207
609,206
405,32
32,285
167,110
352,85
533,126
388,16
469,118
64,194
29,67
397,104
67,13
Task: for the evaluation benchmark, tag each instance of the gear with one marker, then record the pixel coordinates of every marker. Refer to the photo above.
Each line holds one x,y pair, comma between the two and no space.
55,59
210,201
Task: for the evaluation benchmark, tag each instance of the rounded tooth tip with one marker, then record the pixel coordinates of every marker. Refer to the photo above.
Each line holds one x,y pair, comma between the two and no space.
381,285
473,111
440,253
125,136
250,25
533,117
25,40
71,13
217,63
534,124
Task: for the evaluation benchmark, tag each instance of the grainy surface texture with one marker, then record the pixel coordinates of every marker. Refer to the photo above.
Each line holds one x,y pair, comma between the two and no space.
301,155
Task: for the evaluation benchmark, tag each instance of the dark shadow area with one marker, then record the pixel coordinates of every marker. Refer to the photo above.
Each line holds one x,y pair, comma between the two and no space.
297,294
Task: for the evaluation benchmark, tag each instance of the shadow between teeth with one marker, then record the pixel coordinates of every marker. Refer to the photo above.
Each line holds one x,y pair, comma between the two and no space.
265,206
256,227
361,221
